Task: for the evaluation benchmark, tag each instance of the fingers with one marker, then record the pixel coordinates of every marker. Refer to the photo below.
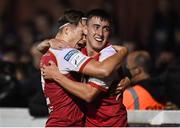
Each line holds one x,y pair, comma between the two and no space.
51,63
43,46
43,70
126,81
48,70
127,78
119,90
123,84
117,97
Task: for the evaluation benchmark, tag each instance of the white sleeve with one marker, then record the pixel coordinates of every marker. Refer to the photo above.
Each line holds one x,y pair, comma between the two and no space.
106,52
98,83
104,84
70,59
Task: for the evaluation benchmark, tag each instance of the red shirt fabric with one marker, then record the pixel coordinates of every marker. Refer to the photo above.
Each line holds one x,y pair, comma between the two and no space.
64,107
105,110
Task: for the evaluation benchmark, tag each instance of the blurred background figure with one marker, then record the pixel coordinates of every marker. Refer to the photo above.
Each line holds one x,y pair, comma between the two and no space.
164,21
145,91
37,103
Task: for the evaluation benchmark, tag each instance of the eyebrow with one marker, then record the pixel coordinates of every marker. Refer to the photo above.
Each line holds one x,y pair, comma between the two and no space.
97,24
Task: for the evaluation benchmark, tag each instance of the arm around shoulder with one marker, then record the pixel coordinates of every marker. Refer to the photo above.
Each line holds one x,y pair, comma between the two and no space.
106,67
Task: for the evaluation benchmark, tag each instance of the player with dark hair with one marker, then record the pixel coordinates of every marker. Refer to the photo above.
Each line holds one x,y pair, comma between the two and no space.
103,108
64,107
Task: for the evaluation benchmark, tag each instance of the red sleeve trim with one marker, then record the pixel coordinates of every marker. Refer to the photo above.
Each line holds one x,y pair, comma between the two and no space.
98,86
54,57
84,64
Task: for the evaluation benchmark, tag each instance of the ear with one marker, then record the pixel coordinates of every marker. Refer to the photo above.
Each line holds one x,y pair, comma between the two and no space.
85,30
66,30
137,70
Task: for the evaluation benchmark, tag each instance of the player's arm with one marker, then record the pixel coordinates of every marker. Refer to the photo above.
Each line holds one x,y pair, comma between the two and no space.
46,44
93,67
81,90
43,46
107,66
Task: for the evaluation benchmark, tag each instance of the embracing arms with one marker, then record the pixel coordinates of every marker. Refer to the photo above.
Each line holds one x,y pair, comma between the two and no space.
93,67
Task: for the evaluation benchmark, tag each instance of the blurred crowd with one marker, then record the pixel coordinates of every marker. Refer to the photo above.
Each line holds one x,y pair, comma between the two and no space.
152,26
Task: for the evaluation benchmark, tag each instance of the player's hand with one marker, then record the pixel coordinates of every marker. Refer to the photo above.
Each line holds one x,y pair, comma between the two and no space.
58,44
43,46
123,84
50,71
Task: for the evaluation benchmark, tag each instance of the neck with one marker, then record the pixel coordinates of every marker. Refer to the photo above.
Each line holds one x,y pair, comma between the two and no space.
61,39
91,51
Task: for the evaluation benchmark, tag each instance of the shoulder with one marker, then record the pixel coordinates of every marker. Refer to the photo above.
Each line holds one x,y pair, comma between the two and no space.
108,49
107,52
65,50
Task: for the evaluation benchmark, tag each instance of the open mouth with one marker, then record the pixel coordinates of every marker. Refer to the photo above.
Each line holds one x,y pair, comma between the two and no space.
80,45
99,39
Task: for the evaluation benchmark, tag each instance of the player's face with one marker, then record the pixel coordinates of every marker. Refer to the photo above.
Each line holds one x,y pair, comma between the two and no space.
82,43
77,35
97,33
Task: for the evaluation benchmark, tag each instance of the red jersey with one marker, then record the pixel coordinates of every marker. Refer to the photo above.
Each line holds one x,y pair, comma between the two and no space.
64,108
105,110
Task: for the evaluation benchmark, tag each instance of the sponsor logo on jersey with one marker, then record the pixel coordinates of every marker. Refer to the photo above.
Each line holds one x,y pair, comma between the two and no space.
75,57
70,54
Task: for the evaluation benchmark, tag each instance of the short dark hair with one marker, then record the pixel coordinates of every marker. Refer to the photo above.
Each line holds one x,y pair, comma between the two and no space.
71,16
102,14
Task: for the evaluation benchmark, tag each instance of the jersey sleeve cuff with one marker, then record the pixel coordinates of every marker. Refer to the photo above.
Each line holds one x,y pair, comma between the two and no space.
98,87
84,64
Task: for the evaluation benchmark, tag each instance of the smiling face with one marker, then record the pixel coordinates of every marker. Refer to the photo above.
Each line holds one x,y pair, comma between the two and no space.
98,31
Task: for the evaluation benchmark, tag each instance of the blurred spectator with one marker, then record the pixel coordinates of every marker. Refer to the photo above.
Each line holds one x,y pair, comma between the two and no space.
1,31
164,22
26,34
163,60
176,48
10,42
130,45
10,95
145,92
10,55
86,5
43,23
171,80
7,85
37,103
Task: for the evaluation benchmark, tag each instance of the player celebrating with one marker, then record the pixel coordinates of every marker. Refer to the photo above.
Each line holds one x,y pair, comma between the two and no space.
105,110
64,108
